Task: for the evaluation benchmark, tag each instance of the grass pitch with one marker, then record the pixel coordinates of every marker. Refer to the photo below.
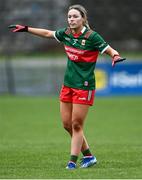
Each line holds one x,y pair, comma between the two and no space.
34,145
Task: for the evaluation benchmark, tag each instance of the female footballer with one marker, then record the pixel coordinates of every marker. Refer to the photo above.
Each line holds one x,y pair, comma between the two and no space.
82,46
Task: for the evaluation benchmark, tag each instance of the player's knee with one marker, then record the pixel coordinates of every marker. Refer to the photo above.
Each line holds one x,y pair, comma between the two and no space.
76,126
67,127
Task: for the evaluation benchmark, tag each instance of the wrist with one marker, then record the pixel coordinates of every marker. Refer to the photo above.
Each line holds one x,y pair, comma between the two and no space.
26,28
115,55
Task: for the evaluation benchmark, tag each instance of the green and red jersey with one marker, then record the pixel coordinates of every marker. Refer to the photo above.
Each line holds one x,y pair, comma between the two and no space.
82,51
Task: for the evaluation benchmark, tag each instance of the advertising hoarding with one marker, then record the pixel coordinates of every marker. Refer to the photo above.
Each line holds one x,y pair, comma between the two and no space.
123,79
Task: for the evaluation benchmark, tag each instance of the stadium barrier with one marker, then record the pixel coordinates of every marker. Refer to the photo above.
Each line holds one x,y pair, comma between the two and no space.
42,77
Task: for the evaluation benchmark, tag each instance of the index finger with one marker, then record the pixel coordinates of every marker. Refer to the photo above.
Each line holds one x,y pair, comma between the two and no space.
12,26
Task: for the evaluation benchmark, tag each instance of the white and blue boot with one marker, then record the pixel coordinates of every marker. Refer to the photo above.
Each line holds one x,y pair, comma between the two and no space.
71,165
88,161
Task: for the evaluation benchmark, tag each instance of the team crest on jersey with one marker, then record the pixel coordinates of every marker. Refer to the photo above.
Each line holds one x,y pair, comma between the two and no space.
83,42
86,83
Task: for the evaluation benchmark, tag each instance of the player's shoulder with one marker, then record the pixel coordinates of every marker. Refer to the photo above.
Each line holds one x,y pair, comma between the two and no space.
61,30
92,33
95,36
60,33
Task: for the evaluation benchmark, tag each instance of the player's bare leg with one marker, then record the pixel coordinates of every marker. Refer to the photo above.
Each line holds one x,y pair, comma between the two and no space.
66,116
79,113
67,113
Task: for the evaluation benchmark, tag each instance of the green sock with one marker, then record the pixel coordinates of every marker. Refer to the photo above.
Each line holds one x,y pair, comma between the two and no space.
87,152
73,158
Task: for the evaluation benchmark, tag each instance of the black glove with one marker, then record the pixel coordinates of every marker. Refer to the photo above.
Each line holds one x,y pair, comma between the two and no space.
19,28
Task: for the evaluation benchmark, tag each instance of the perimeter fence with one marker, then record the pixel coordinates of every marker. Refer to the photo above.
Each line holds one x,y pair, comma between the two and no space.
39,77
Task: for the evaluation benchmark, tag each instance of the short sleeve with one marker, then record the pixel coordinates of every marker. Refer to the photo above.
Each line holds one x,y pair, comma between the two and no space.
99,43
59,35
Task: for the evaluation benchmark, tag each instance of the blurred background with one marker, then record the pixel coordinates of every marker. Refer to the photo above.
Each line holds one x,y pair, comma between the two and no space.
31,65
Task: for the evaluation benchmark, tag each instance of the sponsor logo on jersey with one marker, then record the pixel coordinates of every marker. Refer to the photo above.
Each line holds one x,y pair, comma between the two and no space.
76,54
67,38
73,57
74,50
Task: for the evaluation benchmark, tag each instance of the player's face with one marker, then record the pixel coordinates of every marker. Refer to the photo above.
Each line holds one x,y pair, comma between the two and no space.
75,19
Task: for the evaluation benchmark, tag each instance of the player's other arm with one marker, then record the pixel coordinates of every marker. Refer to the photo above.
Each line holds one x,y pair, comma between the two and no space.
114,55
36,31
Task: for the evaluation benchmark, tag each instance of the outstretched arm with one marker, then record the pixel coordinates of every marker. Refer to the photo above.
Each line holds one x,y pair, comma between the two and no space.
41,32
36,31
114,55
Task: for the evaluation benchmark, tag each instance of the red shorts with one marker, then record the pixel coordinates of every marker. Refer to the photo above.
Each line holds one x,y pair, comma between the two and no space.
77,96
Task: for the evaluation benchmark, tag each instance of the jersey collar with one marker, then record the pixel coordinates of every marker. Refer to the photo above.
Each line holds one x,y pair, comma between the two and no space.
82,31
